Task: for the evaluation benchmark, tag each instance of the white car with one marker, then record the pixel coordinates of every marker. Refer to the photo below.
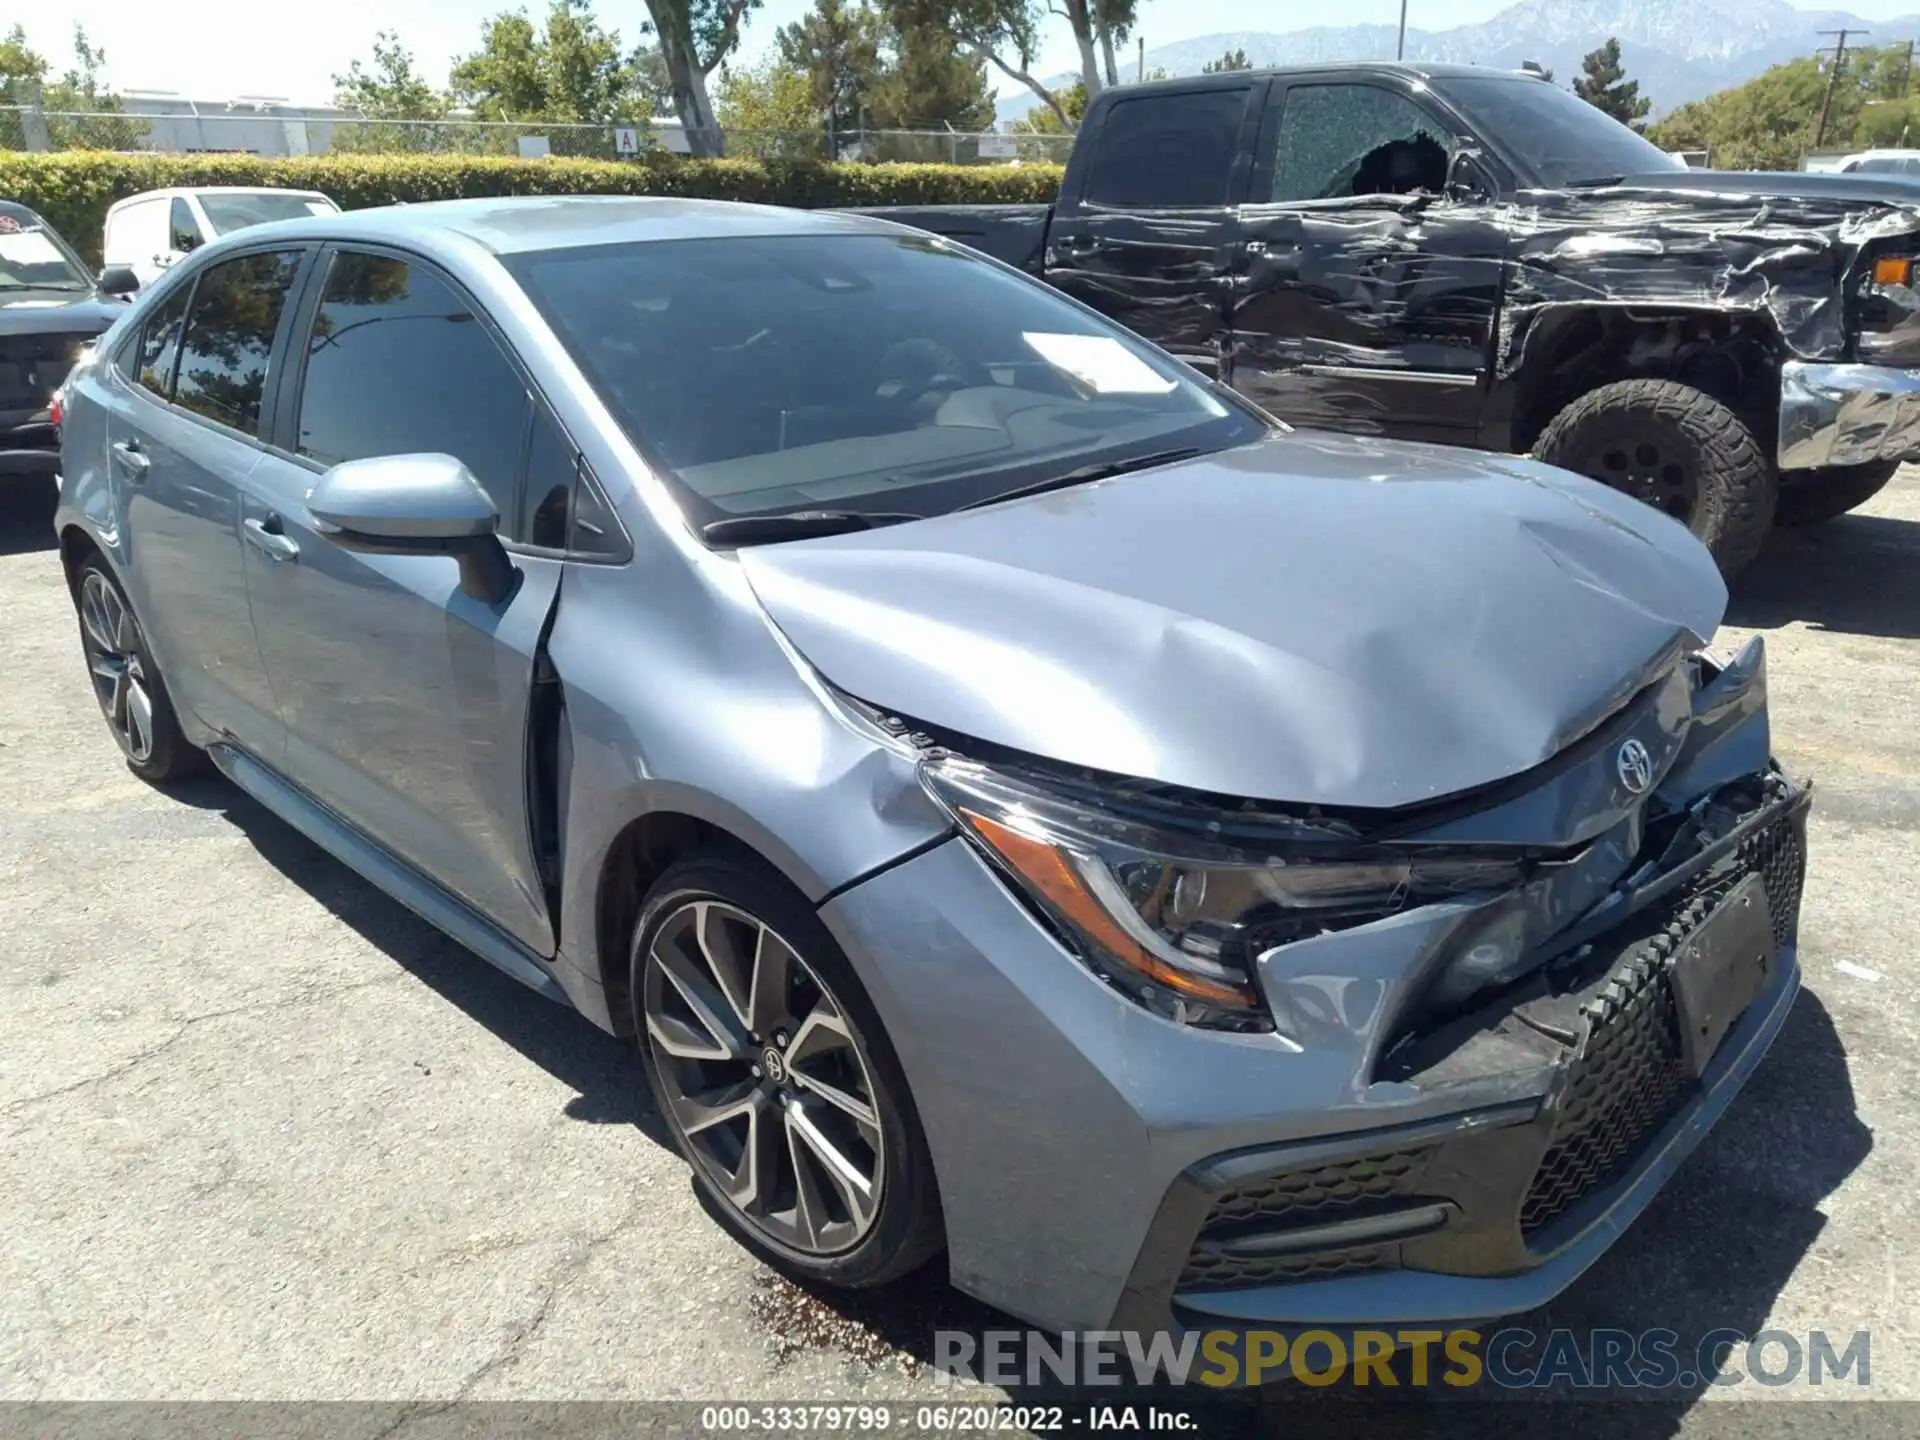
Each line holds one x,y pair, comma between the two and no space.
149,231
1883,162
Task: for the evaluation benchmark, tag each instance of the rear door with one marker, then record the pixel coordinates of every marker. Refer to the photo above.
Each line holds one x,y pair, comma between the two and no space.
406,701
1366,294
1149,236
184,411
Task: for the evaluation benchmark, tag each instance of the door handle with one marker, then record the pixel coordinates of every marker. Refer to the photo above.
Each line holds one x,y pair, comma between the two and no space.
266,537
126,454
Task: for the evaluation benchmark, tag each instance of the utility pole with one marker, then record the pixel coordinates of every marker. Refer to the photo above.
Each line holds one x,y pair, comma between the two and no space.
1400,50
1833,79
1906,72
1143,59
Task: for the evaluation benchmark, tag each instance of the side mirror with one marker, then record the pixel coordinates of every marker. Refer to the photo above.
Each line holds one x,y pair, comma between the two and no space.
118,280
1467,177
416,505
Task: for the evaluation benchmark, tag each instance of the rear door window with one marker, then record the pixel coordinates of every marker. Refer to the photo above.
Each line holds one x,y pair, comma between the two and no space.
229,337
1169,151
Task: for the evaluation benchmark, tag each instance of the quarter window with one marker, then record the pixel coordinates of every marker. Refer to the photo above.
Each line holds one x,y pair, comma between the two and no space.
229,336
549,488
1168,152
1344,140
184,230
159,344
398,364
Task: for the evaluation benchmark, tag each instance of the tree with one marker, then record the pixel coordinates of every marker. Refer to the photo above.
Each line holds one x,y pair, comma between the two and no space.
769,111
569,72
695,38
1768,122
837,47
926,83
23,82
1604,85
389,89
1004,33
1232,60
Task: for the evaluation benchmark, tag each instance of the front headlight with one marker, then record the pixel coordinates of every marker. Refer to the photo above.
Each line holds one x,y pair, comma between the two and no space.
1177,921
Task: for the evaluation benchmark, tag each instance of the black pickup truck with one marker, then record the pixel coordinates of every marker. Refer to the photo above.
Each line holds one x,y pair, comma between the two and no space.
1478,257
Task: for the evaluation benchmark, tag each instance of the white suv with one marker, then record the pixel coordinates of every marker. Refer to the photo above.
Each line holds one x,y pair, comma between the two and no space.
149,231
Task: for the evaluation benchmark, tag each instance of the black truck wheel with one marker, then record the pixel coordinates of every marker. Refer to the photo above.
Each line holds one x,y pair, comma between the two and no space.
1677,449
1809,496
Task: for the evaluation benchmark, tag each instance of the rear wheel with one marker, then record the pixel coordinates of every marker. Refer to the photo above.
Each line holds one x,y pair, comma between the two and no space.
768,1063
127,682
1809,496
1677,449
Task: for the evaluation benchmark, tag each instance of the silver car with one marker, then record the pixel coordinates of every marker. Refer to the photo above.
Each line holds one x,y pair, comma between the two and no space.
1022,800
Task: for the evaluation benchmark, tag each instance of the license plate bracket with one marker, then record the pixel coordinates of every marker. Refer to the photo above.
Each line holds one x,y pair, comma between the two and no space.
1722,966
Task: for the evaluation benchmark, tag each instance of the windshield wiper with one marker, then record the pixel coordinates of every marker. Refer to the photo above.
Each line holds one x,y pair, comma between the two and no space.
798,525
1081,476
1594,182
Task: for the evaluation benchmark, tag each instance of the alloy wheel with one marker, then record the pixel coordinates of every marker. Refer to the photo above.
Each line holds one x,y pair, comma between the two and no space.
766,1077
120,680
1645,471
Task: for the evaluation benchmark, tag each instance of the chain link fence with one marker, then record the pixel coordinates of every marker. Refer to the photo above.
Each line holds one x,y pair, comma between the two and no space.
184,127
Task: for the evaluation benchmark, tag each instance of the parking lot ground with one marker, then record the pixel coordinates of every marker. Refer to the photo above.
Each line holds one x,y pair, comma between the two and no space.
265,1135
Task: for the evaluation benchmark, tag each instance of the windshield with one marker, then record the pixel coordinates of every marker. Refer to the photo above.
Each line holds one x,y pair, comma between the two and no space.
32,258
858,372
228,213
1553,132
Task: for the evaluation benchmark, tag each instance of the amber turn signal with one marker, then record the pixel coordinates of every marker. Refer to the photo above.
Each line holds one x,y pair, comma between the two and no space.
1892,270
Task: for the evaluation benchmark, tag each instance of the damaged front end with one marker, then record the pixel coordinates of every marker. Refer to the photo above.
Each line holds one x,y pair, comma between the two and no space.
1541,994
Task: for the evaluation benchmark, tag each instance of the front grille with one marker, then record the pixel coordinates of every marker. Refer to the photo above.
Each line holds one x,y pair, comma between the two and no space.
1630,1081
1778,853
1301,1199
1632,1077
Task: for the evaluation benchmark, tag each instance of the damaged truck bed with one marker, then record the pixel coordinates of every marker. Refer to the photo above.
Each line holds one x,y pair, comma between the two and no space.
1477,257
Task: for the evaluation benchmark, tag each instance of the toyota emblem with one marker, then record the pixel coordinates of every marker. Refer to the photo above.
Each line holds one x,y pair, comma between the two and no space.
1635,766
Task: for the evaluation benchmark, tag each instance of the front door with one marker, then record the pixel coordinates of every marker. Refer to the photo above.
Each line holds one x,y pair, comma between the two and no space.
405,699
183,421
1149,241
1366,292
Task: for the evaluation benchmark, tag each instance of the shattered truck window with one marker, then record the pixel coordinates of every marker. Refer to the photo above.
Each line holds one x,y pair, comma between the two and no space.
1342,140
1553,133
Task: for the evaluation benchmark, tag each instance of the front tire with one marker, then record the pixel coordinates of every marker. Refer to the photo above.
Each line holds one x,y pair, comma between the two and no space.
1677,449
1808,497
769,1065
126,680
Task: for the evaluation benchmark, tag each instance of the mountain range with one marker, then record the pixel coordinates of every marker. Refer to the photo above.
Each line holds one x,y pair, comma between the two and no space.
1679,50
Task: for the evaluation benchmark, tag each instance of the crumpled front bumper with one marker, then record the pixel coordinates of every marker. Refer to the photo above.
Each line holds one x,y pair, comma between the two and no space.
1847,414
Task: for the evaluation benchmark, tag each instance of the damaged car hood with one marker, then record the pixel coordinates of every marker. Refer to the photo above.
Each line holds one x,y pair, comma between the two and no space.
1314,619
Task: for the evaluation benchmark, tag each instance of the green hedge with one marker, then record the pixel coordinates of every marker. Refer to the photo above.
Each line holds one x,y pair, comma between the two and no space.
73,189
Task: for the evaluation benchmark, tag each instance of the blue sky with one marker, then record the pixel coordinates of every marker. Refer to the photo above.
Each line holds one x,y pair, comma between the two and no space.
221,49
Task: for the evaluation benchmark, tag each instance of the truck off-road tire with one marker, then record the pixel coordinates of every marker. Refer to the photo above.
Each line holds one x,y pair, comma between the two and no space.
1809,496
768,1063
1677,449
126,680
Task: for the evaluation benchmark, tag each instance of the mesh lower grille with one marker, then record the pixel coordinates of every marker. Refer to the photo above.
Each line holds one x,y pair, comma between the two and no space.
1631,1080
1298,1199
1208,1269
1633,1077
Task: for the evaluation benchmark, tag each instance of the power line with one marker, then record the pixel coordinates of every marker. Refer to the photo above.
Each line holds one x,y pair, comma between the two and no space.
1833,79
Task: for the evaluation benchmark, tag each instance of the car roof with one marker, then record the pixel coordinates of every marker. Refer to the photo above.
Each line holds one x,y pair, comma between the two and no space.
509,224
1412,69
170,191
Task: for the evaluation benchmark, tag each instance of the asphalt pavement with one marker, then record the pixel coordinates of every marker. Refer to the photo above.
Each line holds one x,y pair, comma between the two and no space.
265,1135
